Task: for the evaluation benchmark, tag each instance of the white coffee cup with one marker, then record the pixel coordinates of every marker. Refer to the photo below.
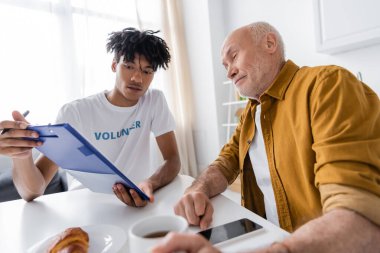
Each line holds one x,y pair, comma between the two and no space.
147,232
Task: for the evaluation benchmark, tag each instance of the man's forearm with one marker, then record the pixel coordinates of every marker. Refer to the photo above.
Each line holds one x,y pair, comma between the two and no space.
211,182
28,179
340,230
165,174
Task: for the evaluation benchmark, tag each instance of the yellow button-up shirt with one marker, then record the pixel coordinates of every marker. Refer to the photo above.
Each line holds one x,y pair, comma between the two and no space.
321,126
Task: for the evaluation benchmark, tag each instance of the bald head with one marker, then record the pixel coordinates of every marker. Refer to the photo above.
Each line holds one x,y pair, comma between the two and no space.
260,29
253,56
255,33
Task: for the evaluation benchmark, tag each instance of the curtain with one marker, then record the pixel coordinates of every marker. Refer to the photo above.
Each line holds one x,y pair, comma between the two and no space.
178,84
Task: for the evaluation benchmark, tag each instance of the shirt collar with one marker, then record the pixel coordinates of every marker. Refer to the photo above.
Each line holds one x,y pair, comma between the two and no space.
279,86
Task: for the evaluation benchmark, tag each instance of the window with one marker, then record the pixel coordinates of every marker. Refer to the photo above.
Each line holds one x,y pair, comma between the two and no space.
53,51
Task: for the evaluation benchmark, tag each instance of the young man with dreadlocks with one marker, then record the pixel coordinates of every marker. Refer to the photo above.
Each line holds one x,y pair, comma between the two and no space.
117,122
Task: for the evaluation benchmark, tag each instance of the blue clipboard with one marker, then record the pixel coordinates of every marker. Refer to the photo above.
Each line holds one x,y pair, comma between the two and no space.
71,151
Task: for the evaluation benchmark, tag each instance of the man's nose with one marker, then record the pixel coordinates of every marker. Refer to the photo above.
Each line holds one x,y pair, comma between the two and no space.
137,77
232,71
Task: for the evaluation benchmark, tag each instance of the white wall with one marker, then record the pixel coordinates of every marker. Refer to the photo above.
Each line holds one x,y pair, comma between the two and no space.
294,19
206,25
198,40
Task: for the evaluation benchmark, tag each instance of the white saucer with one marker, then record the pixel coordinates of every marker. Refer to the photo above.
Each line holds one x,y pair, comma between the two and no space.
103,239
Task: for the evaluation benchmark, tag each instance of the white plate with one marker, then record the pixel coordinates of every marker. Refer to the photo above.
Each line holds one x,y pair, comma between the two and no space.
103,239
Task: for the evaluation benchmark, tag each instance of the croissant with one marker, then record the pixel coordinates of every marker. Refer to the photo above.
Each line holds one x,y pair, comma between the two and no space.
72,240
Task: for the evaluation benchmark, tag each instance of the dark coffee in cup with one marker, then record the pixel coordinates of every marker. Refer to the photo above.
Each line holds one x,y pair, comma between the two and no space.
156,234
147,232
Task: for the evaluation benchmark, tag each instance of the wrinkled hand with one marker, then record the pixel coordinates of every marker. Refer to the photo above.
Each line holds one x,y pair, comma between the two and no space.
196,208
12,143
131,197
190,243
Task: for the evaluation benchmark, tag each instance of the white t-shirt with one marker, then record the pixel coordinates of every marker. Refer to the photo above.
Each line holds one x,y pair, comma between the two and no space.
260,167
121,133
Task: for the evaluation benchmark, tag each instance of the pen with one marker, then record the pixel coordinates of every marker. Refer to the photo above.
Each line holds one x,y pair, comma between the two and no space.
7,129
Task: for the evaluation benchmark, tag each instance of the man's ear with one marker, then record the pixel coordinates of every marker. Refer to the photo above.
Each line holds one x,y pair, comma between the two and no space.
271,43
113,65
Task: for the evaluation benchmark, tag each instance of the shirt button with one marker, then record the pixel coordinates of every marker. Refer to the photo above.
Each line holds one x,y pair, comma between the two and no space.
264,116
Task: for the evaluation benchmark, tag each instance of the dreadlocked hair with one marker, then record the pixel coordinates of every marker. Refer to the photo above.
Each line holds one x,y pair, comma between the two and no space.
130,41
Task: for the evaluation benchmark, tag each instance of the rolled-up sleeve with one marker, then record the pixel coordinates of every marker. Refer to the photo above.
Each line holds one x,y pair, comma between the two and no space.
340,196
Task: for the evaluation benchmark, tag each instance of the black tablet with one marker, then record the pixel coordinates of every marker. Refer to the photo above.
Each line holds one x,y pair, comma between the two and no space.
230,230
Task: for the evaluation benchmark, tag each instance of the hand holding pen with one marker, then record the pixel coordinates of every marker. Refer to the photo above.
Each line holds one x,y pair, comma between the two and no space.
12,142
8,125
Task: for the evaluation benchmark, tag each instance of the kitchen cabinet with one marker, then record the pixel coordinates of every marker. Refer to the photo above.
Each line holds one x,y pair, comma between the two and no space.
343,25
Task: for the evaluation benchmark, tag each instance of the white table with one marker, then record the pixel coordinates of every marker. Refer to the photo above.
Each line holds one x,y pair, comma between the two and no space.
22,224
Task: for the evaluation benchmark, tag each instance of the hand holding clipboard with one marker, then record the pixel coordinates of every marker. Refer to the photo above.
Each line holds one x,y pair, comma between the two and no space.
73,153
